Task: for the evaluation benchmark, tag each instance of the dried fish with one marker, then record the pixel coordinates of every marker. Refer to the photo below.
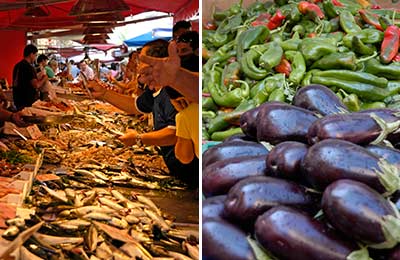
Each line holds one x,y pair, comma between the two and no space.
178,256
139,236
193,251
103,251
132,219
19,222
135,251
70,193
11,231
25,254
110,203
97,216
92,238
158,220
60,194
56,240
149,203
120,223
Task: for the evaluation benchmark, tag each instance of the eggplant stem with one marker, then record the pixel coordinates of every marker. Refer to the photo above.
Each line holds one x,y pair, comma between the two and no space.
268,146
386,128
361,254
391,230
388,175
259,252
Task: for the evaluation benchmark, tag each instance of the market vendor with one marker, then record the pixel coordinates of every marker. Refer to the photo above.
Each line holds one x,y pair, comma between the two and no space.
26,85
157,102
86,70
47,91
15,118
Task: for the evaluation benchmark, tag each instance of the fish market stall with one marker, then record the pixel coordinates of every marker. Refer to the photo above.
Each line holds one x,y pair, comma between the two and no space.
84,195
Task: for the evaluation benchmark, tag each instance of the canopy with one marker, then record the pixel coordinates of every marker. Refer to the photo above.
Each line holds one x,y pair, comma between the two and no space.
158,33
15,14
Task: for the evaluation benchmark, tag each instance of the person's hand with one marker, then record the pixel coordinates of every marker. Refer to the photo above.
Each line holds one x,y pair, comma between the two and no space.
129,138
16,118
160,71
96,89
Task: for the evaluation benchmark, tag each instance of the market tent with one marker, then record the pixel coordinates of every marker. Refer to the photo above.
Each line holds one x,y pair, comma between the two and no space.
50,14
165,34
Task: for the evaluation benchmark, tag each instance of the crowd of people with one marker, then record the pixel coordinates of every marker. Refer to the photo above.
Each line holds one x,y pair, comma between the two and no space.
160,79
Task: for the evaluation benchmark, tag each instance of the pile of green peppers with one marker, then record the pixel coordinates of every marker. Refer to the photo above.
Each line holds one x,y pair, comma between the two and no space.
256,55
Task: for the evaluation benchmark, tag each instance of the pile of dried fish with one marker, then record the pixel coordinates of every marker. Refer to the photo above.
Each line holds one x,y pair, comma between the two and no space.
79,214
101,224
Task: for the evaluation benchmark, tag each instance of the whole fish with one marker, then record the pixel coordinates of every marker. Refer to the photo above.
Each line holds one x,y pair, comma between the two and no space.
56,240
110,203
158,220
149,203
92,238
60,194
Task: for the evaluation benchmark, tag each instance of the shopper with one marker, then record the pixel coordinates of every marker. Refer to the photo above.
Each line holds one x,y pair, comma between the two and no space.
154,101
25,82
187,47
179,28
187,126
74,71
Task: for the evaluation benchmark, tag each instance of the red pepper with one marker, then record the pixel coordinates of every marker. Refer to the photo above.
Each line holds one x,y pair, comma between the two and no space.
284,67
370,18
376,7
312,35
390,44
310,9
210,26
337,3
316,1
276,20
262,19
397,57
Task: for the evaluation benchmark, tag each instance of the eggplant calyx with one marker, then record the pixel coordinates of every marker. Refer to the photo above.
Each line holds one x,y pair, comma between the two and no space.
391,230
388,175
259,252
267,146
361,254
386,128
341,110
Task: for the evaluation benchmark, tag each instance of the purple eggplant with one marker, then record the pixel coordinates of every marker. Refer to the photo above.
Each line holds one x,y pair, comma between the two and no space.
252,196
213,207
360,212
395,253
219,177
359,128
292,235
333,159
284,160
319,99
279,122
248,122
232,150
222,240
239,138
391,155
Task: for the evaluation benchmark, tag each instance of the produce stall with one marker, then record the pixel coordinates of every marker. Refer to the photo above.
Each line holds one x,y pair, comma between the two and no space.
301,124
76,192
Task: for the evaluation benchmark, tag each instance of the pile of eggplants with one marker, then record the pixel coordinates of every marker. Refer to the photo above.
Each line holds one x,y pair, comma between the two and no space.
308,180
268,50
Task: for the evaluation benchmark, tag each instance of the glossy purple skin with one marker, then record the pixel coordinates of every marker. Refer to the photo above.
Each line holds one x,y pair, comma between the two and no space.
279,122
248,122
213,207
395,253
232,149
239,138
354,127
292,235
284,160
219,177
252,196
356,210
319,99
389,154
333,159
222,240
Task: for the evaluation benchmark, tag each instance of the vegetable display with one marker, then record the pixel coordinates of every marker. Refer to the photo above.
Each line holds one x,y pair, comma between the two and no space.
269,50
344,167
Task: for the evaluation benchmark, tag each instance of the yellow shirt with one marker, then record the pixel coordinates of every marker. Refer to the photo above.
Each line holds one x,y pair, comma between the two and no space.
187,125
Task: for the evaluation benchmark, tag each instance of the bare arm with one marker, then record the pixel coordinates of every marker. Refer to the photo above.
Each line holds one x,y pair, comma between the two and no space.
39,83
184,150
162,137
123,102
